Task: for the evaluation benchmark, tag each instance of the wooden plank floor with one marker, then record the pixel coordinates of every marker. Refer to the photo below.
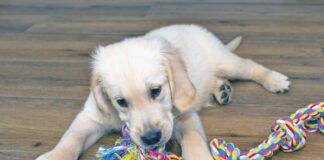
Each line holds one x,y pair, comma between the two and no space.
44,63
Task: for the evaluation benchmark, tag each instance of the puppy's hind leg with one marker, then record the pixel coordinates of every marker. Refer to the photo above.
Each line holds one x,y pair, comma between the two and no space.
235,67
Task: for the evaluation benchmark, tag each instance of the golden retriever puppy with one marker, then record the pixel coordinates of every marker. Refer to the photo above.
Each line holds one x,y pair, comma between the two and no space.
155,84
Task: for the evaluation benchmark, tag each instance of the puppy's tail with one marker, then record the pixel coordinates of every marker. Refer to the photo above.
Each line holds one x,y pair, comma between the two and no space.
234,44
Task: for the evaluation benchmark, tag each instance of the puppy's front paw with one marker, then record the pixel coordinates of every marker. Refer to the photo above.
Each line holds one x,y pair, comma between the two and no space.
54,155
195,156
46,156
276,82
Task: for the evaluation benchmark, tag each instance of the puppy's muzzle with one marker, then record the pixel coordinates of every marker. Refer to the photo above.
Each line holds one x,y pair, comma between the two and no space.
151,137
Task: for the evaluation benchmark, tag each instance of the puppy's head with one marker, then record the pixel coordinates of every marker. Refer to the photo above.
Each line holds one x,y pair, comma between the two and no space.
142,79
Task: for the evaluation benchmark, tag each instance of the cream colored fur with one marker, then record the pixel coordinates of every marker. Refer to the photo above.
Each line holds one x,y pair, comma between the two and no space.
187,61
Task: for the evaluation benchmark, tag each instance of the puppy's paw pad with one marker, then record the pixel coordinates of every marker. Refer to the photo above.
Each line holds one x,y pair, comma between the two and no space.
276,82
223,95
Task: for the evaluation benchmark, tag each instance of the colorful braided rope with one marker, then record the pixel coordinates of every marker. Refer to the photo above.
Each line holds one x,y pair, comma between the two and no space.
124,149
287,134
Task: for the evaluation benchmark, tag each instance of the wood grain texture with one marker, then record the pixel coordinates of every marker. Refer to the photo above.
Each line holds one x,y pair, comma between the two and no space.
45,58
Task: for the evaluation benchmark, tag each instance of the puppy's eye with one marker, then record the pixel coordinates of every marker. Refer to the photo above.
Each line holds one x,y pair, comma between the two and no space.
122,102
155,92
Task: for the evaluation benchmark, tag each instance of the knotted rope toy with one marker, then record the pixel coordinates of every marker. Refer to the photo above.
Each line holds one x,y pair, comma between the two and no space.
124,149
287,134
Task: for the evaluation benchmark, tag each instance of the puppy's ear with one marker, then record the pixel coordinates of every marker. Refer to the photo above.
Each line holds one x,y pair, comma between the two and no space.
99,94
182,90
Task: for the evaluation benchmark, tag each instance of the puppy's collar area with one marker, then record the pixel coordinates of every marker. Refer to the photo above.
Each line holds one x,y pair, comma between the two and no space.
127,150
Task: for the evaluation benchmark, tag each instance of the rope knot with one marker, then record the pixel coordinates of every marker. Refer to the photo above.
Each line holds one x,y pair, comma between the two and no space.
222,150
321,125
309,117
294,135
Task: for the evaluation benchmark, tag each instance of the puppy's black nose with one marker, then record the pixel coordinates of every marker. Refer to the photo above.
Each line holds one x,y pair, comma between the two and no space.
151,137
